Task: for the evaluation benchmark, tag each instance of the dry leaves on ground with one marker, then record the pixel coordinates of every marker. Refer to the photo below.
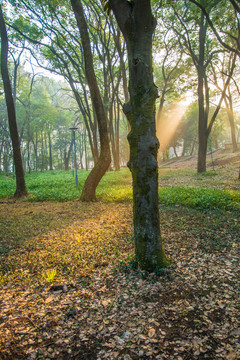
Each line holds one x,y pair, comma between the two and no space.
95,305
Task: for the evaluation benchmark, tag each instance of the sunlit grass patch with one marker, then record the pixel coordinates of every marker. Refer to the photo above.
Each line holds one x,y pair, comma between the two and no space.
115,194
200,198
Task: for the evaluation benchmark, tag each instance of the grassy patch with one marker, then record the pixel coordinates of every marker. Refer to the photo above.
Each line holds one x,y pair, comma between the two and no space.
60,186
116,187
200,198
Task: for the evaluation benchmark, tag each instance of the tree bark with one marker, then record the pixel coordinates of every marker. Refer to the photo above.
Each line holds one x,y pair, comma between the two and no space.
50,151
20,181
229,109
67,155
202,116
104,160
137,24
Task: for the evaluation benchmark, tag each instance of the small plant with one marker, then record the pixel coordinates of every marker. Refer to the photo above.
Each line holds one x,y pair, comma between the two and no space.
50,275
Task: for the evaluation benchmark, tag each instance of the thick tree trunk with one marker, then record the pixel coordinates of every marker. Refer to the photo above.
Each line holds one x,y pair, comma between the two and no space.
137,24
20,181
104,160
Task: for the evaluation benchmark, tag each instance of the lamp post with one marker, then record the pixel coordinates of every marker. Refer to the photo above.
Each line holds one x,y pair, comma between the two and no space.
75,156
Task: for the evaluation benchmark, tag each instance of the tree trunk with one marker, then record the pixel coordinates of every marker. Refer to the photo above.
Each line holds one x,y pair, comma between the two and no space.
175,151
202,113
104,160
36,152
85,150
50,151
193,146
20,181
42,152
113,139
137,24
91,129
67,156
229,109
117,119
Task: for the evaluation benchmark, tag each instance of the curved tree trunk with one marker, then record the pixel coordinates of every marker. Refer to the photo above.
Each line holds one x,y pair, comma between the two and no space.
137,24
20,181
104,160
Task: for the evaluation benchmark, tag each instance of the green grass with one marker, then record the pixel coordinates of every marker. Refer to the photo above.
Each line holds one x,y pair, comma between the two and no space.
60,186
46,186
116,187
200,198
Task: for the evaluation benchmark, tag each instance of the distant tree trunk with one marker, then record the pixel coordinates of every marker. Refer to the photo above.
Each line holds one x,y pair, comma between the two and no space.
5,158
193,146
175,151
20,181
113,139
50,151
28,156
91,128
104,160
81,151
85,150
36,152
229,108
137,25
184,148
67,155
117,120
202,111
42,152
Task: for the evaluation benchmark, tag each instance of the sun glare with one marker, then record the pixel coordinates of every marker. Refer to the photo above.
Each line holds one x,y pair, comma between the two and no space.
167,125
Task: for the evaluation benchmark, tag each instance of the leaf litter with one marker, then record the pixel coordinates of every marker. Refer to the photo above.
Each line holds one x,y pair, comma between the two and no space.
70,288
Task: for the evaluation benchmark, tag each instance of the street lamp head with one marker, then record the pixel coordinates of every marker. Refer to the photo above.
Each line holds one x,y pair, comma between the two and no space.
73,128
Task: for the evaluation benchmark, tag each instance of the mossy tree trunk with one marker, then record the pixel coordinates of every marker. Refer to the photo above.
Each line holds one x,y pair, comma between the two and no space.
137,24
104,160
17,156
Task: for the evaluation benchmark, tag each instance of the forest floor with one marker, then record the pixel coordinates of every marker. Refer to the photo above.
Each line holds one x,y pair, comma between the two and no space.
69,288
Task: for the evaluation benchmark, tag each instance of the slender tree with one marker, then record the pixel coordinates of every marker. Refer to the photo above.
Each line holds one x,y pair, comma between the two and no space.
20,181
104,160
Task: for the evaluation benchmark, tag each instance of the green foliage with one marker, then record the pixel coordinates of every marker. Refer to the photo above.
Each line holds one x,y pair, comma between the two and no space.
200,198
50,275
116,187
